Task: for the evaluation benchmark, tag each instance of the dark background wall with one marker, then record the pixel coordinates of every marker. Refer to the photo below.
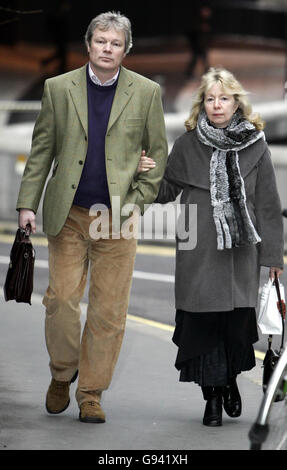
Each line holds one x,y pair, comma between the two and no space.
149,18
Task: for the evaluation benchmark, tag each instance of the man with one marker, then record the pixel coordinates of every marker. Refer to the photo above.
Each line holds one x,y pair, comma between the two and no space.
94,123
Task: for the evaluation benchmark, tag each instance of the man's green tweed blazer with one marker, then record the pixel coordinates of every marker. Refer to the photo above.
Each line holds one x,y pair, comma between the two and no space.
60,138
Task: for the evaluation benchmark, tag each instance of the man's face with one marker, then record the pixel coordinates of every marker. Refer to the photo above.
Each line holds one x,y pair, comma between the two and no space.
106,50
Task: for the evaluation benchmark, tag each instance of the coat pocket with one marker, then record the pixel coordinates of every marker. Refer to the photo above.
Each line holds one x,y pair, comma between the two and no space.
134,122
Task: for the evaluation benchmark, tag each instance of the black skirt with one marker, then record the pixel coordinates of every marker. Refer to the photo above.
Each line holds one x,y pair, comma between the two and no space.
214,346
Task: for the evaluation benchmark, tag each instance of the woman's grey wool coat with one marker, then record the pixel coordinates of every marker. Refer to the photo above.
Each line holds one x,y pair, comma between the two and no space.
207,279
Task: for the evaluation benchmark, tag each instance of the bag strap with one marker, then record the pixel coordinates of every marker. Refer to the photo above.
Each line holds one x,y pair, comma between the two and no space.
281,307
28,230
270,337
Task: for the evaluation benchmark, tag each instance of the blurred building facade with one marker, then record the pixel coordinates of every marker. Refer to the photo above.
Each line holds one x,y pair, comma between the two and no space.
51,20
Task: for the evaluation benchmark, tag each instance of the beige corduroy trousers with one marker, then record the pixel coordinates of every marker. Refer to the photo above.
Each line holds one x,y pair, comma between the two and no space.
111,263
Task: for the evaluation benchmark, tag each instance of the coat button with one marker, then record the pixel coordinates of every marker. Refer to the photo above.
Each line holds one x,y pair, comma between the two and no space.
73,186
81,162
86,138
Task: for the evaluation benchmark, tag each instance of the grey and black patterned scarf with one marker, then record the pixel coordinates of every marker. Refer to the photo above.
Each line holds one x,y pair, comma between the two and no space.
232,220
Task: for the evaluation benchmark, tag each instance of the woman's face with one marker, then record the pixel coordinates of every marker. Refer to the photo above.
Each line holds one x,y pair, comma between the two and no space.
219,106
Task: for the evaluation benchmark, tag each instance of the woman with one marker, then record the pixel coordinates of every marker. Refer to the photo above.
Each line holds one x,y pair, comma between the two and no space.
222,164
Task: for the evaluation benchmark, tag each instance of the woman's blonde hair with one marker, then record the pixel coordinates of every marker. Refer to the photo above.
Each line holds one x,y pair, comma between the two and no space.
231,86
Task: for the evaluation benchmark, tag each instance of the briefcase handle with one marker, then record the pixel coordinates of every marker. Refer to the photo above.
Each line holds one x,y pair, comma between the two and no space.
28,230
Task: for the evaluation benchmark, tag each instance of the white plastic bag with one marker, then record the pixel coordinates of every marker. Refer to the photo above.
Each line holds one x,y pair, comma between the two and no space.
269,318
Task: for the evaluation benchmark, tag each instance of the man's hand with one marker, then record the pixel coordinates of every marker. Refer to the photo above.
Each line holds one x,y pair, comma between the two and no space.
26,216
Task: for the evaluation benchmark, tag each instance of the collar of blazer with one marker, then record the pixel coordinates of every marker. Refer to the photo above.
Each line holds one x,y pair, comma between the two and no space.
78,90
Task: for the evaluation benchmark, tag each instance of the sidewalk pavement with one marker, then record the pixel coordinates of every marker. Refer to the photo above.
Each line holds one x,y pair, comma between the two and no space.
146,407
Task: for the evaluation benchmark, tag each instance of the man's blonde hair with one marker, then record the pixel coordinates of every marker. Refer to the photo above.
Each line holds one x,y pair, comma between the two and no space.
111,19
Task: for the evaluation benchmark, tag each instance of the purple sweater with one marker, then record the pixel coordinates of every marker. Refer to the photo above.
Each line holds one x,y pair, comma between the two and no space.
93,186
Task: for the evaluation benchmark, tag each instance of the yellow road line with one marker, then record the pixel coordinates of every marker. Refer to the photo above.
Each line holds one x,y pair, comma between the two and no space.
144,321
163,326
143,250
37,241
153,323
259,355
154,250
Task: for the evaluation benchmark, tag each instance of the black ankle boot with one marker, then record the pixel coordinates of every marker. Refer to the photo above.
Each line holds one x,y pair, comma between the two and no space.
231,399
213,409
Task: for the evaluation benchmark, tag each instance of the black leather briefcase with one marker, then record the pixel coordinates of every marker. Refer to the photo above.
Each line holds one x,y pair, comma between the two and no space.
19,279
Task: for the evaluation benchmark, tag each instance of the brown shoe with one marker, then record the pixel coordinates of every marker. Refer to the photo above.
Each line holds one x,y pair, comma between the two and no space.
58,397
91,412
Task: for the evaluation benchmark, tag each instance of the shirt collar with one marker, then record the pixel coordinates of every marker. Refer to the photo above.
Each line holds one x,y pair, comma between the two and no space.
95,79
